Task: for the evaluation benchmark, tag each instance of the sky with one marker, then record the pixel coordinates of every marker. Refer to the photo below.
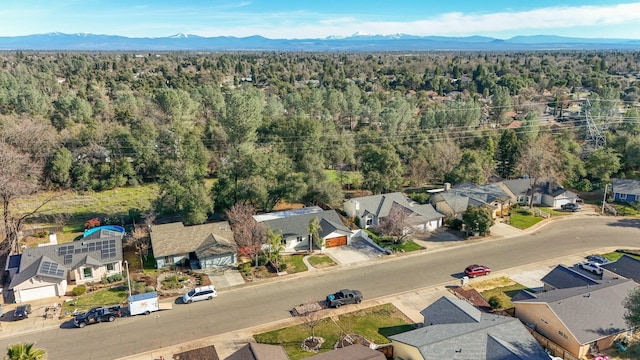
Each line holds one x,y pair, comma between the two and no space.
299,19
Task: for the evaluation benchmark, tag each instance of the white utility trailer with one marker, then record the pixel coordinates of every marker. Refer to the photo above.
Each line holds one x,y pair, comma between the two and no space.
143,303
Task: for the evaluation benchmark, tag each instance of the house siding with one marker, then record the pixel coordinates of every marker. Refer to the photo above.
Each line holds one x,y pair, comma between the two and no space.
625,197
548,324
403,351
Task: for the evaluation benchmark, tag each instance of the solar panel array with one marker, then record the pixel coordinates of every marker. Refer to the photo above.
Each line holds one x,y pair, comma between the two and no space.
107,249
50,268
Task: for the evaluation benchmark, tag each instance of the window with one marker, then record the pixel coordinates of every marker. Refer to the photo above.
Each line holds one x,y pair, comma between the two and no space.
623,196
283,241
369,221
111,267
299,238
87,273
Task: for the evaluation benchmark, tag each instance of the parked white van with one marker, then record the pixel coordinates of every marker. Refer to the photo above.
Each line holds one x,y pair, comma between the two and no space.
200,293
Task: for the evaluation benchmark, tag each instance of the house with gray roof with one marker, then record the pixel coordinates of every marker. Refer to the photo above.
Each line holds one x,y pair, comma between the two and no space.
199,246
562,277
294,227
547,192
454,329
582,320
45,271
626,266
370,210
256,351
351,352
625,190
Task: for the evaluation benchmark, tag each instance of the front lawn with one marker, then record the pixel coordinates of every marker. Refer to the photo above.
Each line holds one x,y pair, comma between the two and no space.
375,324
523,219
504,291
321,261
112,296
386,242
294,264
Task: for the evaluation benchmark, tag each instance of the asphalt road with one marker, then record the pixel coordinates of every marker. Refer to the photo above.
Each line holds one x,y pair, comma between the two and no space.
249,306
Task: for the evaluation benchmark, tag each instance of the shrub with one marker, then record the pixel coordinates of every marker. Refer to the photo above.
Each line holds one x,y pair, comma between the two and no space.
420,197
283,266
114,278
495,302
41,234
91,223
79,290
454,224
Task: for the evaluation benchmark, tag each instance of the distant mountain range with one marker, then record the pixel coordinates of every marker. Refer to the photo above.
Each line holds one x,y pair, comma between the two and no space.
356,42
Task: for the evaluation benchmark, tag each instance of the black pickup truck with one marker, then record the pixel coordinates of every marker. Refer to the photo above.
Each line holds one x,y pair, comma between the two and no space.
344,297
97,314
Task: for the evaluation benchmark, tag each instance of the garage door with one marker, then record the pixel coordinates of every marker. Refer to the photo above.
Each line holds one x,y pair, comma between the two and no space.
38,293
339,241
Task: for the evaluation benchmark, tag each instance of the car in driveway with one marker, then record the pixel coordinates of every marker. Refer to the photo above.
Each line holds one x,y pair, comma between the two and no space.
591,267
573,207
476,270
22,312
598,259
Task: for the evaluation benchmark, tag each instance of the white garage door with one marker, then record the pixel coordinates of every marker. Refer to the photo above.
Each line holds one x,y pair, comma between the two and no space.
38,293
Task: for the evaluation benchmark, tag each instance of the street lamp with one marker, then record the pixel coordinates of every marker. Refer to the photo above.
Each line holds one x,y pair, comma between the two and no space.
128,277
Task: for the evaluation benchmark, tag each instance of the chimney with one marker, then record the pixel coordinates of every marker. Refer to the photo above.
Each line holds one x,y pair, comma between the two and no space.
447,186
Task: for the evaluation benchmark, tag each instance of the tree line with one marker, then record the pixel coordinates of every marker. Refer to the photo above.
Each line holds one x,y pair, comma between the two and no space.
266,126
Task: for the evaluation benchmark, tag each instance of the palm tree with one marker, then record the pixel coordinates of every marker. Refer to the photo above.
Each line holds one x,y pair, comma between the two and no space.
314,230
25,351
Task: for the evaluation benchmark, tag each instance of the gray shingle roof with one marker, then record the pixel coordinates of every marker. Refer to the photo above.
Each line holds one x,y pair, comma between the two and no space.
352,352
454,329
562,277
448,310
491,336
54,261
298,225
380,206
626,266
487,193
590,313
206,239
625,186
255,351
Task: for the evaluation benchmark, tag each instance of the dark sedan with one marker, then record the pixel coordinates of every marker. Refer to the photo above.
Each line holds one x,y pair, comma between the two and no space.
22,312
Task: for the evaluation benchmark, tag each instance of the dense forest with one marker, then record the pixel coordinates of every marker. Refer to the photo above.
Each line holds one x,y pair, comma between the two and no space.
266,126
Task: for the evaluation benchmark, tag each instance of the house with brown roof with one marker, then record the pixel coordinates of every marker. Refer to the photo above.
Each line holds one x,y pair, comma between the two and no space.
351,352
198,246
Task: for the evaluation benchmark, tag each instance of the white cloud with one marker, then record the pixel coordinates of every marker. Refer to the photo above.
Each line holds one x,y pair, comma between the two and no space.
543,20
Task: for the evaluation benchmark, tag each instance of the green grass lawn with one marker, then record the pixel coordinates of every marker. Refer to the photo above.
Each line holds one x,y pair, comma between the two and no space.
321,261
521,220
504,294
406,247
294,263
375,324
353,178
84,302
613,256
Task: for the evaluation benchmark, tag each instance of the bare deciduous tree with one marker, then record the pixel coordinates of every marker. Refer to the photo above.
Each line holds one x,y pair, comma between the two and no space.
540,160
248,233
396,224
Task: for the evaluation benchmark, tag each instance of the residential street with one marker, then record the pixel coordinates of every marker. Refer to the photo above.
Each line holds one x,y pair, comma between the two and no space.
251,305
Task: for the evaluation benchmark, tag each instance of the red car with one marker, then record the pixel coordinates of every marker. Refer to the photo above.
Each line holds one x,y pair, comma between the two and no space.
475,270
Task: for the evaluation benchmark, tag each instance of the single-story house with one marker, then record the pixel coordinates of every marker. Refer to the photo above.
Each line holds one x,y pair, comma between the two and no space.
201,246
45,271
547,193
582,320
294,226
351,352
255,351
625,190
370,210
562,277
454,203
626,266
455,329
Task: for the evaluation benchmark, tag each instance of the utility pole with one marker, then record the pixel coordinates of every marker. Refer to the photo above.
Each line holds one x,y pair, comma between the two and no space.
128,277
604,198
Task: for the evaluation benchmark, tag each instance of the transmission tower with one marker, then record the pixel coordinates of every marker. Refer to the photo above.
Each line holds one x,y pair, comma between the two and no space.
596,130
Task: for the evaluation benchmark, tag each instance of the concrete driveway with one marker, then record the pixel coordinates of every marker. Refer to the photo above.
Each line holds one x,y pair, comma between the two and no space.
359,250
